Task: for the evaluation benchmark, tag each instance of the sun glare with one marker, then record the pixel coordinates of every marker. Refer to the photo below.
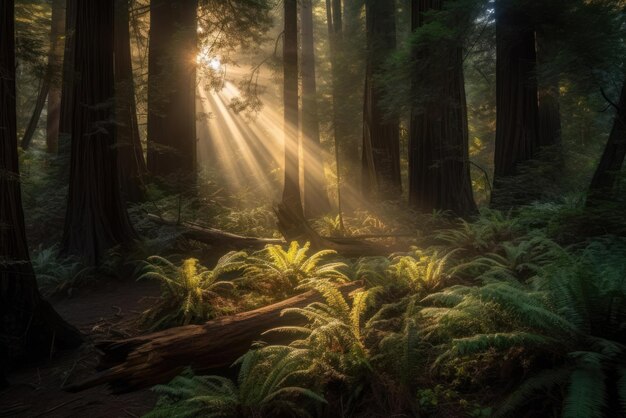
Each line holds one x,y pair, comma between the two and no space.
208,60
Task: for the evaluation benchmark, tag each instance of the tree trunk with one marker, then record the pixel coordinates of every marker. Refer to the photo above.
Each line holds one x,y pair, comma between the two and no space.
67,87
344,120
132,165
439,174
34,118
29,327
603,183
380,175
96,218
517,136
55,64
315,197
291,188
172,91
156,358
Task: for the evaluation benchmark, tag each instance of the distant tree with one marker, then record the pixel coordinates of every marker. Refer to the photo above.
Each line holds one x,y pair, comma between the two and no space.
517,134
345,46
50,82
603,182
439,172
67,105
315,196
29,326
55,63
172,89
132,165
291,189
96,218
380,163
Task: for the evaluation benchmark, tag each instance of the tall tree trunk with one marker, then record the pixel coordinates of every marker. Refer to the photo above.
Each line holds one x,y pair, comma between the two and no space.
36,115
67,86
439,173
55,63
96,218
381,133
291,188
517,136
29,327
132,165
172,90
344,119
603,183
315,196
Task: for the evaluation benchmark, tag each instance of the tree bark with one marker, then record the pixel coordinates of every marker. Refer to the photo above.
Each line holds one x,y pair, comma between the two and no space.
517,136
34,118
380,164
96,217
172,91
315,197
55,64
603,183
291,188
132,165
29,327
439,173
156,358
67,86
344,118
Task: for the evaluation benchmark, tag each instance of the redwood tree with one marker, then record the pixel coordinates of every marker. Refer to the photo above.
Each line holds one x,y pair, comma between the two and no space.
315,196
96,218
291,188
439,174
381,132
67,105
603,181
172,89
132,165
29,326
517,136
55,63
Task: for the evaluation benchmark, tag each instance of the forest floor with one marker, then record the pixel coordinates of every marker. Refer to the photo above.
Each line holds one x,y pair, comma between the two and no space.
108,312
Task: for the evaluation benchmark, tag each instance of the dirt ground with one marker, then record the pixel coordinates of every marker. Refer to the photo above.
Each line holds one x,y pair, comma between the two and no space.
100,313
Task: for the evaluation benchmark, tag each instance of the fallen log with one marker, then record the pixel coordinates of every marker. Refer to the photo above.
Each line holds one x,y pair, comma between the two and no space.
155,358
354,246
294,227
212,235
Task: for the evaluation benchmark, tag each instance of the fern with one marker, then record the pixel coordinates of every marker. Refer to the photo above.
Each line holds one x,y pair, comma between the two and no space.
575,312
187,292
280,273
272,381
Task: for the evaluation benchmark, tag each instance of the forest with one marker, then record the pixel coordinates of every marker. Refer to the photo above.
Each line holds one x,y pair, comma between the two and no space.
313,208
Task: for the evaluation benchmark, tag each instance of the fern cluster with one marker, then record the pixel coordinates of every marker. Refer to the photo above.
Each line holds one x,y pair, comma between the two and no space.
189,290
573,313
268,384
281,272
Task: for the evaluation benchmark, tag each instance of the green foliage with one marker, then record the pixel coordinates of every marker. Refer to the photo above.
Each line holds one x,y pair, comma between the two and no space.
484,235
572,312
520,260
421,271
270,383
334,333
56,274
188,292
281,272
